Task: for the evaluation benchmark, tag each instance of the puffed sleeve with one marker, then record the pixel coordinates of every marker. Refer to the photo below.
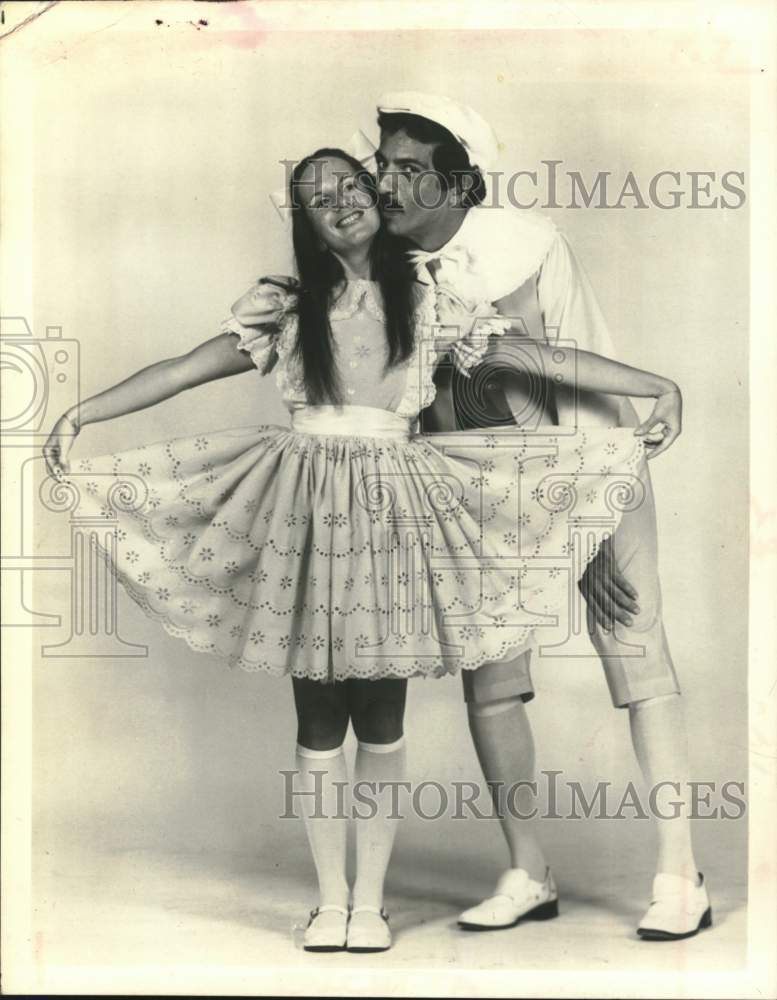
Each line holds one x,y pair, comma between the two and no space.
269,305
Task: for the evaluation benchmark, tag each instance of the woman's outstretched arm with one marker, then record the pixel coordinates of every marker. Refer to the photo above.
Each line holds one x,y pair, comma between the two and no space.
213,359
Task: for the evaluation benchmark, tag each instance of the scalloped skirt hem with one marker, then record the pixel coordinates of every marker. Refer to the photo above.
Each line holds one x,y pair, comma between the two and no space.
330,558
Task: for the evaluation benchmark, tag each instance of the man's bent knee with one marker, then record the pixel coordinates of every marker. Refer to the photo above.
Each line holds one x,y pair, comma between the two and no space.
499,680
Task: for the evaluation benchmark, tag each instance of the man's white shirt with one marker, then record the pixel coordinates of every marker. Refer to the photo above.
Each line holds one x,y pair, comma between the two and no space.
495,252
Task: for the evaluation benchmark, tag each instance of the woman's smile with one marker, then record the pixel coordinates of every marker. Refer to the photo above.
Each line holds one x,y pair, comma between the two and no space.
341,208
350,219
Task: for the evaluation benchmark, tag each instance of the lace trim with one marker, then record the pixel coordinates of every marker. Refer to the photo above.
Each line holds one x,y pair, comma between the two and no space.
420,390
491,645
470,351
289,373
429,666
258,344
357,294
411,668
274,301
289,377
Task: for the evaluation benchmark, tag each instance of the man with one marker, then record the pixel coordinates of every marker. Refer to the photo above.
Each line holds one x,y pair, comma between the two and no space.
432,176
430,152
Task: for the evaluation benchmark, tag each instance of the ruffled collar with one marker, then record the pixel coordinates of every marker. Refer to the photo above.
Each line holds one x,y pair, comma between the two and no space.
358,293
454,253
491,254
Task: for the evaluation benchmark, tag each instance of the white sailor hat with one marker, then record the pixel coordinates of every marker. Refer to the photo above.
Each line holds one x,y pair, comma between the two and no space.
466,125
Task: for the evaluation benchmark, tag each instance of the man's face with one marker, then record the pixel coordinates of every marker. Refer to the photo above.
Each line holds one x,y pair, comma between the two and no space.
412,197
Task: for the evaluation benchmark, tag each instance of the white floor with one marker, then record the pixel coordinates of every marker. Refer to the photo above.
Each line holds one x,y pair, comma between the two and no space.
147,909
160,865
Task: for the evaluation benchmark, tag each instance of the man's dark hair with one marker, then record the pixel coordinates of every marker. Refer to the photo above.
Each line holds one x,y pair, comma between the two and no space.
449,157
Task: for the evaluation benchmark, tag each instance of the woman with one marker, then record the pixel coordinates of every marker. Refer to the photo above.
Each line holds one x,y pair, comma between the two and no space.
315,551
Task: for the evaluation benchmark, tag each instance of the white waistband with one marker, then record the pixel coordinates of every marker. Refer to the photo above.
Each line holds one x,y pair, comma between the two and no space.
351,421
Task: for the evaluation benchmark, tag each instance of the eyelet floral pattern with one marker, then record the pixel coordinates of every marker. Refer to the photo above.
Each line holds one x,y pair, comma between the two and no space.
399,559
340,556
358,294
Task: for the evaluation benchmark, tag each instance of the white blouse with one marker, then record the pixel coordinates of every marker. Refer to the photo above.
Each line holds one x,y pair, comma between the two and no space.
443,322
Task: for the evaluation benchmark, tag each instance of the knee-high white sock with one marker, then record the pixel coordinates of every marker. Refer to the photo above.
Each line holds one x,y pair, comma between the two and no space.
505,747
325,818
376,762
660,740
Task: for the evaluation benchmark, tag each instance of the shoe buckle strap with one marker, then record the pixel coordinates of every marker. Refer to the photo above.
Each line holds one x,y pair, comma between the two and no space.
371,909
328,908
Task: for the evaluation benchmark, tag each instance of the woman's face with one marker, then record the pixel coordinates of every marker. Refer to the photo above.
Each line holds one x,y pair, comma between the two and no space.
339,204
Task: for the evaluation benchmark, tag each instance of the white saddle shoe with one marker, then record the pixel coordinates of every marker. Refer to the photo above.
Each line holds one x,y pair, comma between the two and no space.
679,909
517,897
326,932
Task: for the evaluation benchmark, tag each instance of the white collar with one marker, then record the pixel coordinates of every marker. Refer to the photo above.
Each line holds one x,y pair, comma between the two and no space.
455,250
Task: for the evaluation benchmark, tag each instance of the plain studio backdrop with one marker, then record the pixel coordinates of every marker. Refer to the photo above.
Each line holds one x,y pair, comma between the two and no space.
156,780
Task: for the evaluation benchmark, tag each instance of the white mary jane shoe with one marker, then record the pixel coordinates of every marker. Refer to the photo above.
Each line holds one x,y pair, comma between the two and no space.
371,932
517,897
679,909
326,935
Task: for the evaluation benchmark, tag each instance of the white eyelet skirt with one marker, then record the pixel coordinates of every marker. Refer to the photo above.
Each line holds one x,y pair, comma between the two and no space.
345,546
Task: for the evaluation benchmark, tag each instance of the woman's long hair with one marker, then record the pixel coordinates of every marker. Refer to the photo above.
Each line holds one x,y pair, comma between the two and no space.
321,275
